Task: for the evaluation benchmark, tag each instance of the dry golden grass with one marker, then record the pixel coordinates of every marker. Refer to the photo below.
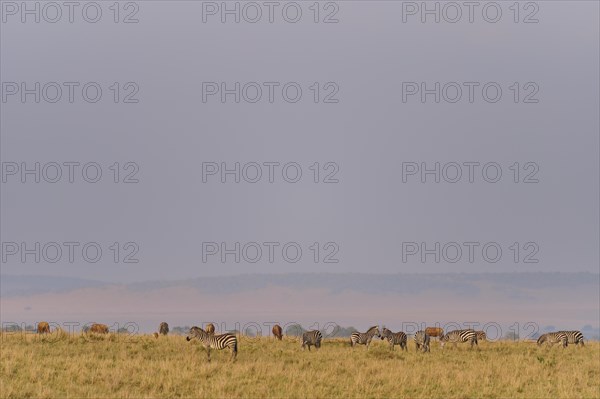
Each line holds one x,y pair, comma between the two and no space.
61,366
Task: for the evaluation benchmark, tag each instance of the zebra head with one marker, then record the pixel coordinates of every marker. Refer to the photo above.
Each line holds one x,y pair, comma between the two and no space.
374,331
542,339
443,339
385,333
195,332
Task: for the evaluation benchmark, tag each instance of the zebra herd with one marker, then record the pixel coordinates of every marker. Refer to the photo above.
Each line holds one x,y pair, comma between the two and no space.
422,339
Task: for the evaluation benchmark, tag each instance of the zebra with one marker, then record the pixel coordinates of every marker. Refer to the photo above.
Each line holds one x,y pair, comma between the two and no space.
398,338
364,338
574,337
422,341
214,341
554,338
457,336
313,337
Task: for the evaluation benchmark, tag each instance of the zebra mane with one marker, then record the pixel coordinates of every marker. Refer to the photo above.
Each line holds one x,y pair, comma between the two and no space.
196,330
372,328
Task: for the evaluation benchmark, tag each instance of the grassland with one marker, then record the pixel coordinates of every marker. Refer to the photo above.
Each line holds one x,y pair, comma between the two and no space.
144,367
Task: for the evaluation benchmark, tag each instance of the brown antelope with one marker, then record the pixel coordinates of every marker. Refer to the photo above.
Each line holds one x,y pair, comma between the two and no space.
277,331
210,328
99,328
434,331
43,328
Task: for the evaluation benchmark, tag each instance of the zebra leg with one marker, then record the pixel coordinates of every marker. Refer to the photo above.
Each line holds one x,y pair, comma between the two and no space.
208,353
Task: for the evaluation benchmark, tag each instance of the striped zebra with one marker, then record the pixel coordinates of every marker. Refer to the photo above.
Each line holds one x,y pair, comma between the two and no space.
422,341
214,341
457,336
553,338
398,338
310,338
364,338
574,337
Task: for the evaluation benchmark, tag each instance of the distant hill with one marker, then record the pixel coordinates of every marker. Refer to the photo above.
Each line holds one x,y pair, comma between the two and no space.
29,285
315,300
459,283
463,284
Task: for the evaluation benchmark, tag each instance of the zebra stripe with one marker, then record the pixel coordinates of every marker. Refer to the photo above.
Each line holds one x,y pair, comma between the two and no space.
364,338
554,338
214,341
422,341
574,337
310,338
457,336
398,338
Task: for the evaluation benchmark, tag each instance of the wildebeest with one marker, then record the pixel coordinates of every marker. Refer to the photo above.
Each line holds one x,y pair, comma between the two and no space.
99,328
277,331
43,328
434,331
163,329
481,336
210,328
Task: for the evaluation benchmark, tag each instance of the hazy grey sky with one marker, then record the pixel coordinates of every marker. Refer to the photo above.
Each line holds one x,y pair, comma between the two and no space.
368,135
